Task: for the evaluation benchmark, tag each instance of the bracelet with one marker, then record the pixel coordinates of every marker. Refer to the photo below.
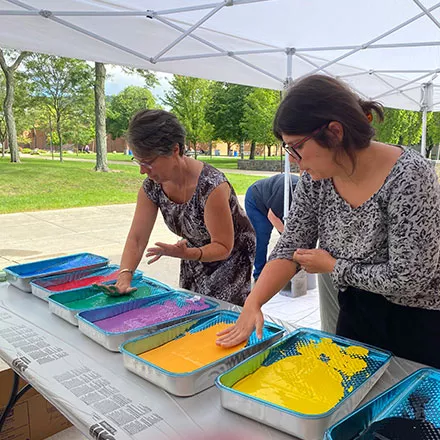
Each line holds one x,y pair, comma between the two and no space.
201,254
126,270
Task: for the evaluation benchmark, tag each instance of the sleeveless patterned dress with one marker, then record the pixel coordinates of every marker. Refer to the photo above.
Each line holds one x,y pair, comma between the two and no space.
230,279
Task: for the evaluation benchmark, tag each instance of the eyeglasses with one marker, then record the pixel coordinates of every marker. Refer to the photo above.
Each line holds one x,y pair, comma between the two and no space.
143,163
291,149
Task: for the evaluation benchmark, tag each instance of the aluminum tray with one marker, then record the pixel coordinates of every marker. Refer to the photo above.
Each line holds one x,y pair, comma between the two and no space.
112,340
21,275
43,287
61,303
188,384
304,426
418,393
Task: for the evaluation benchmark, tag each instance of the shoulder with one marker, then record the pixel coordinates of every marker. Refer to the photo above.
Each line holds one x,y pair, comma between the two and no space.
211,175
152,189
412,169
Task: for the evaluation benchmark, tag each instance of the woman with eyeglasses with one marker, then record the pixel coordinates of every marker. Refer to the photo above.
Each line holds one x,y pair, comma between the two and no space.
217,245
375,211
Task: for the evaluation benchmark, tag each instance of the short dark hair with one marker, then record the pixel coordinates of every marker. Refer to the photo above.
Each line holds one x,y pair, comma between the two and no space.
155,132
316,100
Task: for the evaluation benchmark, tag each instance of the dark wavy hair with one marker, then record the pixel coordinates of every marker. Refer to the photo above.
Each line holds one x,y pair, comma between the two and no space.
315,101
155,132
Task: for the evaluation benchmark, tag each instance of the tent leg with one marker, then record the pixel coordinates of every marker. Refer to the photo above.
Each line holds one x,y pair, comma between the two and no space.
424,123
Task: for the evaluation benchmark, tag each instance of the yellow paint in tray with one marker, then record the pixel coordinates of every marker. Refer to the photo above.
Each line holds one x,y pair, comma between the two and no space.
310,382
190,352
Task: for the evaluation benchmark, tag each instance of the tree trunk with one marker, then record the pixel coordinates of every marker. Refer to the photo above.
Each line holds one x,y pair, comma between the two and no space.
9,103
100,128
252,152
60,137
9,117
51,138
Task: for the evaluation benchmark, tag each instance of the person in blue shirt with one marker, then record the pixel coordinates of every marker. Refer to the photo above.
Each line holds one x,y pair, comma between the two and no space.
264,204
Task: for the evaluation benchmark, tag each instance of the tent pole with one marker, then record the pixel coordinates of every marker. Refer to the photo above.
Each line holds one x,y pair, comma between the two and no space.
424,123
426,104
287,84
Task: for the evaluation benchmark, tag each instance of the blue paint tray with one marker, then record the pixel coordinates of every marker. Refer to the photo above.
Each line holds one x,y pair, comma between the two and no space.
21,275
416,398
188,384
113,339
43,287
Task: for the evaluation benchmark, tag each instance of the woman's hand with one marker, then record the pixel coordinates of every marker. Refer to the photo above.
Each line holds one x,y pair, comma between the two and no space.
178,250
314,260
250,318
122,286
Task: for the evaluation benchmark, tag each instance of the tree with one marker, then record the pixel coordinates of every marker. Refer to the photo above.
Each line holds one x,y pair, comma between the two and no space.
189,99
100,128
78,128
433,133
9,72
259,111
150,78
226,112
64,84
124,105
3,130
400,127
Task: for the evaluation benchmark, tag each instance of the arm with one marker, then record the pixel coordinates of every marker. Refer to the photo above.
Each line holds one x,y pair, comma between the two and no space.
413,239
272,279
143,221
276,222
218,221
300,232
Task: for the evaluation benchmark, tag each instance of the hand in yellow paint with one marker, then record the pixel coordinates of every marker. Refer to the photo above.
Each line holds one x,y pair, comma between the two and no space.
250,318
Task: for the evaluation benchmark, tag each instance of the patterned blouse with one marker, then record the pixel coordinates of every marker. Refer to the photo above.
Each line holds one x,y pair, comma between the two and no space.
230,279
389,245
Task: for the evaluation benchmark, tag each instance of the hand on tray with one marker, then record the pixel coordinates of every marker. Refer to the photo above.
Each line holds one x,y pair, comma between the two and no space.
250,318
113,289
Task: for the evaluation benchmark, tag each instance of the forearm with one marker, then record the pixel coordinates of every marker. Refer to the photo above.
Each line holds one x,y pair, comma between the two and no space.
273,278
213,251
132,255
276,222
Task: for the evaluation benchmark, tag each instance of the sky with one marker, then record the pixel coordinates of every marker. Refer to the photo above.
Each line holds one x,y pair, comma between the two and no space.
117,81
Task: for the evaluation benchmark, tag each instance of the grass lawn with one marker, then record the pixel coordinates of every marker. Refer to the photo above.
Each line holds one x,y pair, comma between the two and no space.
38,184
224,162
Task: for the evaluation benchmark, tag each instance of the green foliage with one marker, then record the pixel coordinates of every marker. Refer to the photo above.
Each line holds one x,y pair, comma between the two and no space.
259,111
226,111
189,99
400,127
150,78
62,89
121,107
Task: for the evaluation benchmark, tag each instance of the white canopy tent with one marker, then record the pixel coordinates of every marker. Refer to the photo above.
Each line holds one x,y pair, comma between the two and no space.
387,50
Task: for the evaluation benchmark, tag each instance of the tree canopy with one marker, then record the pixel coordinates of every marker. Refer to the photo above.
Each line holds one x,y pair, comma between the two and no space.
121,107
